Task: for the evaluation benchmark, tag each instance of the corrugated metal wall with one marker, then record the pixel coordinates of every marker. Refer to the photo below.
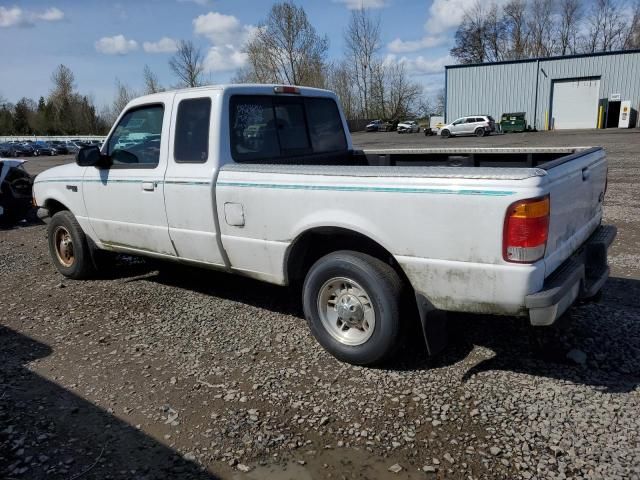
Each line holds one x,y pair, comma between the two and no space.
495,89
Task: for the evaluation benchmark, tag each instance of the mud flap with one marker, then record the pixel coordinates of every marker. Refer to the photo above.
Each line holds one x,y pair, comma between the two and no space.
434,325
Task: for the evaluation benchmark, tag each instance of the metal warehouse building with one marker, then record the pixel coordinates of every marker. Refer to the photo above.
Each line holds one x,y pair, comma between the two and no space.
599,90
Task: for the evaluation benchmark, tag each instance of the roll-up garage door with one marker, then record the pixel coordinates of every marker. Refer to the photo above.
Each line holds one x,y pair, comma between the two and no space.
575,103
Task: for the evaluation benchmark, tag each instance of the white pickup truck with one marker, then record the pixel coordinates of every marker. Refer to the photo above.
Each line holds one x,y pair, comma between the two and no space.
262,181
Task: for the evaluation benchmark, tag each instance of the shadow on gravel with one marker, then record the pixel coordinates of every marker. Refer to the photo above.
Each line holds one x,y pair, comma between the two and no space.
284,300
30,221
49,432
607,332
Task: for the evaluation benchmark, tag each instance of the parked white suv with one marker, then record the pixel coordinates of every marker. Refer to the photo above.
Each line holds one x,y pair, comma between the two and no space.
479,125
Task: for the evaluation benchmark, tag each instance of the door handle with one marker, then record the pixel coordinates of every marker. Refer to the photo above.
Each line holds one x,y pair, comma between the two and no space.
585,174
148,186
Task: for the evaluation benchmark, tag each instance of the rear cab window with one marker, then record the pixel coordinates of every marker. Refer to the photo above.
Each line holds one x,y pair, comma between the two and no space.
265,127
191,143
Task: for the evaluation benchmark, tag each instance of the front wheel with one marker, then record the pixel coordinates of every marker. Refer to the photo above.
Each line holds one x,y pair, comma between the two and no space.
352,305
68,246
445,134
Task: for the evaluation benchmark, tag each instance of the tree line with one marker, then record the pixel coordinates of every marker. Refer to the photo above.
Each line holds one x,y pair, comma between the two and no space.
523,29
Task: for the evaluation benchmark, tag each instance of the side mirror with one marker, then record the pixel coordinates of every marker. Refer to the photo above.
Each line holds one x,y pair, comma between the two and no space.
90,157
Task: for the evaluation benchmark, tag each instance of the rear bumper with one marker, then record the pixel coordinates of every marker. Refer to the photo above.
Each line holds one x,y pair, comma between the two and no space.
580,276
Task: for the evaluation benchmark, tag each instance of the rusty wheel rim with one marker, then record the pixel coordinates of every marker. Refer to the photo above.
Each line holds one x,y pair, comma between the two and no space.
64,246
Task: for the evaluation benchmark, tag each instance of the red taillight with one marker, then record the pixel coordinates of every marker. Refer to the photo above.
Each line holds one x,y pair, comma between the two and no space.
286,89
526,229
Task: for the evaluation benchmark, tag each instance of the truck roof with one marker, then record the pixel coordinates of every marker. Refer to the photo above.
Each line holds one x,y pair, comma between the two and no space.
247,88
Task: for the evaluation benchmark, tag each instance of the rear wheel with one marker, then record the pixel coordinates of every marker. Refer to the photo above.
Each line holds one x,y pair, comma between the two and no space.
480,132
352,304
445,134
68,246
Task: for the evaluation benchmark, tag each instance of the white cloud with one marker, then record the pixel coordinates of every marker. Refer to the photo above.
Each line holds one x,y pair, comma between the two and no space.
224,58
116,45
51,15
227,36
11,17
16,17
421,65
448,14
445,14
217,27
402,46
358,4
164,45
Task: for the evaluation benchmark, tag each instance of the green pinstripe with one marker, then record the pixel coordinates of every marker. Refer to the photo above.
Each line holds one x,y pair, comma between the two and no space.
292,186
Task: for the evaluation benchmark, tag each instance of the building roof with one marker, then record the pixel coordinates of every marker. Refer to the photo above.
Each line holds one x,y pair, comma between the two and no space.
546,59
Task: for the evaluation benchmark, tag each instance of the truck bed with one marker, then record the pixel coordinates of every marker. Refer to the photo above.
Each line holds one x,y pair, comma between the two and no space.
455,158
540,157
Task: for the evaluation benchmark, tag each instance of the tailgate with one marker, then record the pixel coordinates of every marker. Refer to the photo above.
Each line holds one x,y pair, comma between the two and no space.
576,187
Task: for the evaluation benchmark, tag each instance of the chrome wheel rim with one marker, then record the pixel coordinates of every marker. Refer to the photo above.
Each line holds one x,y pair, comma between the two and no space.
64,246
346,311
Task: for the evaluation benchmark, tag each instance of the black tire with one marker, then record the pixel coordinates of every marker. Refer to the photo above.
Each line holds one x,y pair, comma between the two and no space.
445,133
81,265
383,287
480,132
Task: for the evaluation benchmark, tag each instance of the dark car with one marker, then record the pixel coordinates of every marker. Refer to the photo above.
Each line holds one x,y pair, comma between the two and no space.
21,150
6,150
16,187
43,149
72,147
60,147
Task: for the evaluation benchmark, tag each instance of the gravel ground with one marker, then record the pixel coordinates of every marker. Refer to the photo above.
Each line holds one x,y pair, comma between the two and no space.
181,373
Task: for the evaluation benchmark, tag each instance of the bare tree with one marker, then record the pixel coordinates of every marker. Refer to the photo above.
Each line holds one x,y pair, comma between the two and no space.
339,81
403,95
187,64
632,35
151,84
470,38
63,82
495,28
569,26
124,94
606,26
362,44
287,49
516,29
245,75
541,28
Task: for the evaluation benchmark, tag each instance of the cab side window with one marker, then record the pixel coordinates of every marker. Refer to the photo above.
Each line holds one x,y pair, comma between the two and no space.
192,131
135,143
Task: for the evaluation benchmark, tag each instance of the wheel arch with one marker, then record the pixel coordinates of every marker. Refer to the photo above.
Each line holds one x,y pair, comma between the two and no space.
54,206
316,242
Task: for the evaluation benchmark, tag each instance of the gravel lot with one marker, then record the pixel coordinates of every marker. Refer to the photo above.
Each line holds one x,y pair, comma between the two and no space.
181,373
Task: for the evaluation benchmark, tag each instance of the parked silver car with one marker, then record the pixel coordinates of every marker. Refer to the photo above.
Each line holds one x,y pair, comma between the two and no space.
478,125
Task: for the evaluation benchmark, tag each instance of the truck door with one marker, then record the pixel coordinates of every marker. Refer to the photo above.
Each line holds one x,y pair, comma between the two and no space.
189,181
125,202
